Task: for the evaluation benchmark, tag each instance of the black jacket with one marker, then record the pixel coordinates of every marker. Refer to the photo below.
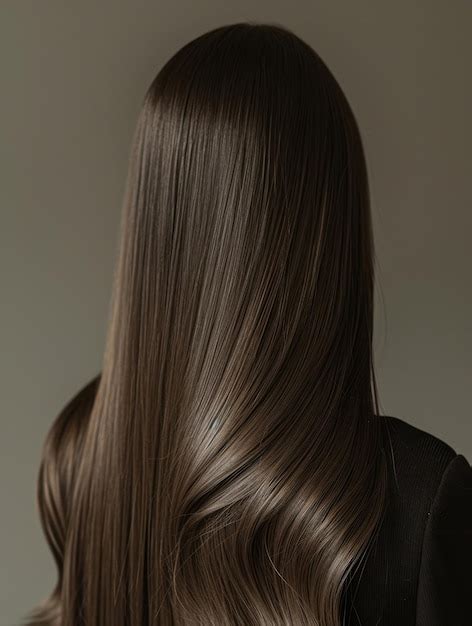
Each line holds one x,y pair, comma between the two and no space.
418,571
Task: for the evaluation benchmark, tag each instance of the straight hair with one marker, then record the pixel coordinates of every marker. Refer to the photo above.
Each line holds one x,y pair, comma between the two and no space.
227,465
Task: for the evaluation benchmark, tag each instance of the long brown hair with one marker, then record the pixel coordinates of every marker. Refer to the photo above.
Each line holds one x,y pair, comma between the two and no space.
229,464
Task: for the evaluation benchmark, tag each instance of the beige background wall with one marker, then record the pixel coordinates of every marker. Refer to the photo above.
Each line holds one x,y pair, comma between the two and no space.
73,75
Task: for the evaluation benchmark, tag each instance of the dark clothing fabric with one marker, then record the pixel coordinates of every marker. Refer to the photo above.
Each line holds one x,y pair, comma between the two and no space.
418,570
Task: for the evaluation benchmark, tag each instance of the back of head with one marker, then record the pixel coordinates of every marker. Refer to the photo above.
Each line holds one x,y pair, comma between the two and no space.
232,469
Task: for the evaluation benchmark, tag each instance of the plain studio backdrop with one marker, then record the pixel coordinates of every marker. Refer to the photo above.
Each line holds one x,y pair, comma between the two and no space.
73,78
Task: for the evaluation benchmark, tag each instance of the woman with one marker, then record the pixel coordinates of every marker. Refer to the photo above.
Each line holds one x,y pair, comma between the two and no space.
229,465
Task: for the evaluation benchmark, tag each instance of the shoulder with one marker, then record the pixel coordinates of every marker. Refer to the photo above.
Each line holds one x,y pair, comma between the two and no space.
409,437
417,458
426,531
425,472
447,549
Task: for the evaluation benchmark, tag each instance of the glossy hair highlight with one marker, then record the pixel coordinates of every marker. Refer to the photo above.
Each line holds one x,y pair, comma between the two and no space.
227,466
